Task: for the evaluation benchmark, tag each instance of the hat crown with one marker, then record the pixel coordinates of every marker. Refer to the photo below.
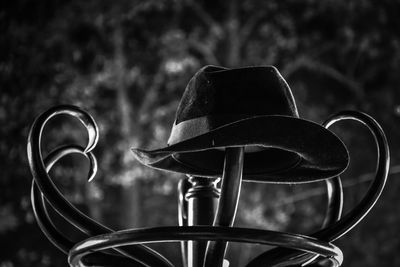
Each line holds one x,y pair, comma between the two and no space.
217,96
251,91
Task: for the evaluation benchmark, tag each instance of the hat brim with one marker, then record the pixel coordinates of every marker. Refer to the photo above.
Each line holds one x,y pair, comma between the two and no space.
318,153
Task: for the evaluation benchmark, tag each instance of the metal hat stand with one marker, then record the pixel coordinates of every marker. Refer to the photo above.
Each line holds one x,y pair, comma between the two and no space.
203,233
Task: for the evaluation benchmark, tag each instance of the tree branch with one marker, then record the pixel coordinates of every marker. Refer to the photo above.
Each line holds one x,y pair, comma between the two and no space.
306,62
203,14
234,41
151,96
250,25
205,50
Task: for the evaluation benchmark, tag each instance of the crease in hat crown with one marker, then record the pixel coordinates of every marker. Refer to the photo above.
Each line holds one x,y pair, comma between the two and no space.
251,107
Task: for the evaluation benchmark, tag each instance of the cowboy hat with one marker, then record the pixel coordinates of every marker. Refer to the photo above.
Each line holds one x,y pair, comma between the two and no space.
250,107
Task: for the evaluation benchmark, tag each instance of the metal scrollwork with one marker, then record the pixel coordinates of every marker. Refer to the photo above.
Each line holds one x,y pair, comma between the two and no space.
338,227
44,190
104,247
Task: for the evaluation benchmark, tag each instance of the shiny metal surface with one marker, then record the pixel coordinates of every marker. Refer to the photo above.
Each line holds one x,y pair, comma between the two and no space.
183,187
141,255
339,228
228,202
202,198
174,234
199,225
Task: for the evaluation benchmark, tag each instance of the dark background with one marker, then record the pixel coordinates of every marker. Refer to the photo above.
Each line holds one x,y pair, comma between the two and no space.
128,62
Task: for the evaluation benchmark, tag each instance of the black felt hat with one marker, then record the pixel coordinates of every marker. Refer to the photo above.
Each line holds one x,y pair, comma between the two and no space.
251,107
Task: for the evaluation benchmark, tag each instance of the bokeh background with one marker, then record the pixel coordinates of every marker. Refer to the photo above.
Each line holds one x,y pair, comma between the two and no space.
128,62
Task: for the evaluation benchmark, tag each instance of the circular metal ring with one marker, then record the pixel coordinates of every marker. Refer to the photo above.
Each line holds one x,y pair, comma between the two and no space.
213,233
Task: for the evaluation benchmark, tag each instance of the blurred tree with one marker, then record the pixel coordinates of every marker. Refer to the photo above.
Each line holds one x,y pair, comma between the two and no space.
127,62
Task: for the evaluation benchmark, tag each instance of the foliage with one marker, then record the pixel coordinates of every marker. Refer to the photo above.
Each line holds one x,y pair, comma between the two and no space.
127,63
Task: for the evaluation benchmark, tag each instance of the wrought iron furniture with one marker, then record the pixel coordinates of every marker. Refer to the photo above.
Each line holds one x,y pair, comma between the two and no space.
202,232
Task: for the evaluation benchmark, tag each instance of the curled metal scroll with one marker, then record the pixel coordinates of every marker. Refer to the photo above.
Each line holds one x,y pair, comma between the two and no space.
335,230
293,249
140,255
40,210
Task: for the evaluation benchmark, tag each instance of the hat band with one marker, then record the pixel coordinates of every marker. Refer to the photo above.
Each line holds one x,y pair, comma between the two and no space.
194,127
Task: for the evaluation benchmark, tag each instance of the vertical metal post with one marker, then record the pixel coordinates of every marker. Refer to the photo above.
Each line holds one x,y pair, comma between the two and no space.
202,201
228,202
183,187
